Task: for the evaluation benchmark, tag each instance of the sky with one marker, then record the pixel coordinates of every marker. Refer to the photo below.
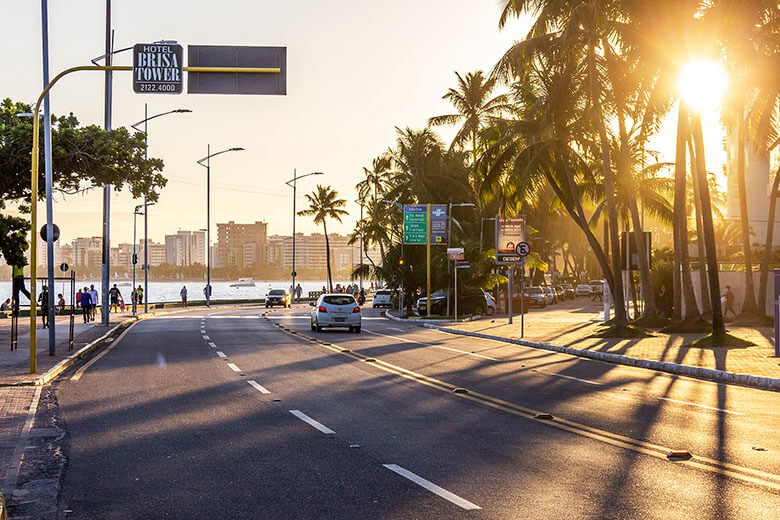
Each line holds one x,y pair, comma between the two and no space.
356,70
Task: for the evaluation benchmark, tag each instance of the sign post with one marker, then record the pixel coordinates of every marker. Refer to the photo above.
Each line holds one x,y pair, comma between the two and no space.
158,68
522,249
510,230
455,253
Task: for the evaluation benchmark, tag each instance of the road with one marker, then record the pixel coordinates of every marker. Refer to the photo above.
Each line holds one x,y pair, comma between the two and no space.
224,414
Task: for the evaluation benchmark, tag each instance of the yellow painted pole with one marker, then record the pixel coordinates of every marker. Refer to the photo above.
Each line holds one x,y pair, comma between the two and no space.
428,255
249,70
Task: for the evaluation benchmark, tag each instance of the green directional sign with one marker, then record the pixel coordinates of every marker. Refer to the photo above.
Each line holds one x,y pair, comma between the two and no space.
415,224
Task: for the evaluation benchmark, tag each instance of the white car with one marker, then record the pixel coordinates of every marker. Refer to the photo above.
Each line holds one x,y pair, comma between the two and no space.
583,290
335,310
383,298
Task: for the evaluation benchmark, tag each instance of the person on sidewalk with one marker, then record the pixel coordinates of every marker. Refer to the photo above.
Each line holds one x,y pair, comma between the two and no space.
6,305
60,304
93,298
140,294
114,295
183,294
728,301
18,286
298,292
86,304
43,301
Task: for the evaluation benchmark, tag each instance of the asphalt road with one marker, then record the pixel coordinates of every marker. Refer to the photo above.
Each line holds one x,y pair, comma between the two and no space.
222,414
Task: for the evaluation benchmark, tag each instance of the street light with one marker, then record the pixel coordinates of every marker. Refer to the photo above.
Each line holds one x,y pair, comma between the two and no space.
208,157
449,234
145,120
295,189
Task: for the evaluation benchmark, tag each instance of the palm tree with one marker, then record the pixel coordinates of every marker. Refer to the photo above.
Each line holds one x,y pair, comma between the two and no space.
475,108
324,204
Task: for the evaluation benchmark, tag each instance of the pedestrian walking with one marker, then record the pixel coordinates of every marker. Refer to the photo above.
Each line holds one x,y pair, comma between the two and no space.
114,295
86,304
18,287
122,304
43,300
298,292
140,294
183,294
728,301
93,297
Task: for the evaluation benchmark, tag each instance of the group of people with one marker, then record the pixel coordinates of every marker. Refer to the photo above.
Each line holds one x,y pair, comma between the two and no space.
87,299
665,305
353,289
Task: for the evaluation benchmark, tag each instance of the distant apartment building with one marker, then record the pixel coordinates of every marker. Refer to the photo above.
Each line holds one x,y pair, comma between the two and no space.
240,245
310,251
186,248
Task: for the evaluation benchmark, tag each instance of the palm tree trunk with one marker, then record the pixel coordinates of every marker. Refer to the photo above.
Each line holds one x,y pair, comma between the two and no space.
682,260
327,255
706,304
749,304
770,236
718,326
621,318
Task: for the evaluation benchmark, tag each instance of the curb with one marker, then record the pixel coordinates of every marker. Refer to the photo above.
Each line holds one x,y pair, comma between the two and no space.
3,510
709,374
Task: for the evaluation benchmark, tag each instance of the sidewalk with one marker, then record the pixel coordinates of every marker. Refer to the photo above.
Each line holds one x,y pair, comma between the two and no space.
571,323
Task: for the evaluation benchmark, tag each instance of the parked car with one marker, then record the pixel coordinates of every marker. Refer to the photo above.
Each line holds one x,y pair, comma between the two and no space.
568,291
383,298
335,310
470,301
549,294
278,297
597,286
534,296
583,290
559,293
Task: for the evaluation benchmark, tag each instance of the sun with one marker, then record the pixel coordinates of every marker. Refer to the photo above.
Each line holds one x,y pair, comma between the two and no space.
702,84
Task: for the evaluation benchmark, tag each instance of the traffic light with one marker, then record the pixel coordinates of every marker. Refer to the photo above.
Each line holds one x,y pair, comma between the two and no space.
401,261
135,258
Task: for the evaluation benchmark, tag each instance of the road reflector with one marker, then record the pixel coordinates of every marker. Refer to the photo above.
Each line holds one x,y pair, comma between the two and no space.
369,360
459,391
679,454
543,416
345,350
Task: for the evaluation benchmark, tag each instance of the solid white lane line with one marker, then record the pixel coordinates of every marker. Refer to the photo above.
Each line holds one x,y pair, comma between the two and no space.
221,354
311,422
433,488
206,337
586,381
258,387
430,345
393,328
212,344
700,406
233,367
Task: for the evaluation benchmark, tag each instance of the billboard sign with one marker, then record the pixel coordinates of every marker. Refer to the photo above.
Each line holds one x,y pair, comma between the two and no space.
415,224
510,231
241,56
438,224
157,68
455,253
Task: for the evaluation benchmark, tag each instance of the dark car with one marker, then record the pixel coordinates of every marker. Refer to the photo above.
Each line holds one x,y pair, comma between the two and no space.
278,297
533,296
568,291
470,301
560,294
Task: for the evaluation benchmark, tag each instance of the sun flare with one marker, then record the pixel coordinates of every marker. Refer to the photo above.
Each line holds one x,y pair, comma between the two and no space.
702,84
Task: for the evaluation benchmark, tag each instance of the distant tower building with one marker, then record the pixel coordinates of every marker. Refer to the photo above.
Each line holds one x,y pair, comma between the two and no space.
240,245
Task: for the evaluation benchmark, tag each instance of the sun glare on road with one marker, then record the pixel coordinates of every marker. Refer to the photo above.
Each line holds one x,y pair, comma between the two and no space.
702,84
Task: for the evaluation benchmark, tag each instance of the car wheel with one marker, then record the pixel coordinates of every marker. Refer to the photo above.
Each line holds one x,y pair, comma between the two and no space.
357,330
319,328
313,327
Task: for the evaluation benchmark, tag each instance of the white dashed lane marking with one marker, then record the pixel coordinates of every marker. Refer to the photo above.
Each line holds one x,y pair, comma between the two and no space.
258,387
212,345
311,422
433,488
221,354
233,367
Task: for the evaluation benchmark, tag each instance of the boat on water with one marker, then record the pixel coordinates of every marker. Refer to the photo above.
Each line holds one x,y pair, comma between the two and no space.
244,282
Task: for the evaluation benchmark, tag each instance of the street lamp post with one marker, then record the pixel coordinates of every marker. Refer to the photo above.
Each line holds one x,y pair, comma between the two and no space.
449,234
145,121
294,185
208,157
401,298
135,256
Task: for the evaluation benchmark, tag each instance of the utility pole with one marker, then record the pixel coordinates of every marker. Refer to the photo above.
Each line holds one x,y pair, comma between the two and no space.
48,167
107,187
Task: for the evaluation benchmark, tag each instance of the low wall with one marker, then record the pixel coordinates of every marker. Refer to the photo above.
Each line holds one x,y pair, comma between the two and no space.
736,279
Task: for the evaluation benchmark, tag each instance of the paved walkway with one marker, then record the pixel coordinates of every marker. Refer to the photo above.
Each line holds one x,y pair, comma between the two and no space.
571,323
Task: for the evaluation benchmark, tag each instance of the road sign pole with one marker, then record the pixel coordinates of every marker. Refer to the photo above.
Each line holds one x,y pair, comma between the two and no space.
511,286
428,258
456,291
522,296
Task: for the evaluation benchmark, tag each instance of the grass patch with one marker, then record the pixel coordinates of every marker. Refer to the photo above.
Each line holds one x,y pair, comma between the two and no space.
655,322
720,341
621,332
688,327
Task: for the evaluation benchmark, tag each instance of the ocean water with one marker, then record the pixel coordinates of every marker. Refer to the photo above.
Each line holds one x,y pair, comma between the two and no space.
169,291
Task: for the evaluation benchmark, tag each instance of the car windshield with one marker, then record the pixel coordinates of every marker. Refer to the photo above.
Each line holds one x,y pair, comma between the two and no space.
533,290
384,293
338,300
276,292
